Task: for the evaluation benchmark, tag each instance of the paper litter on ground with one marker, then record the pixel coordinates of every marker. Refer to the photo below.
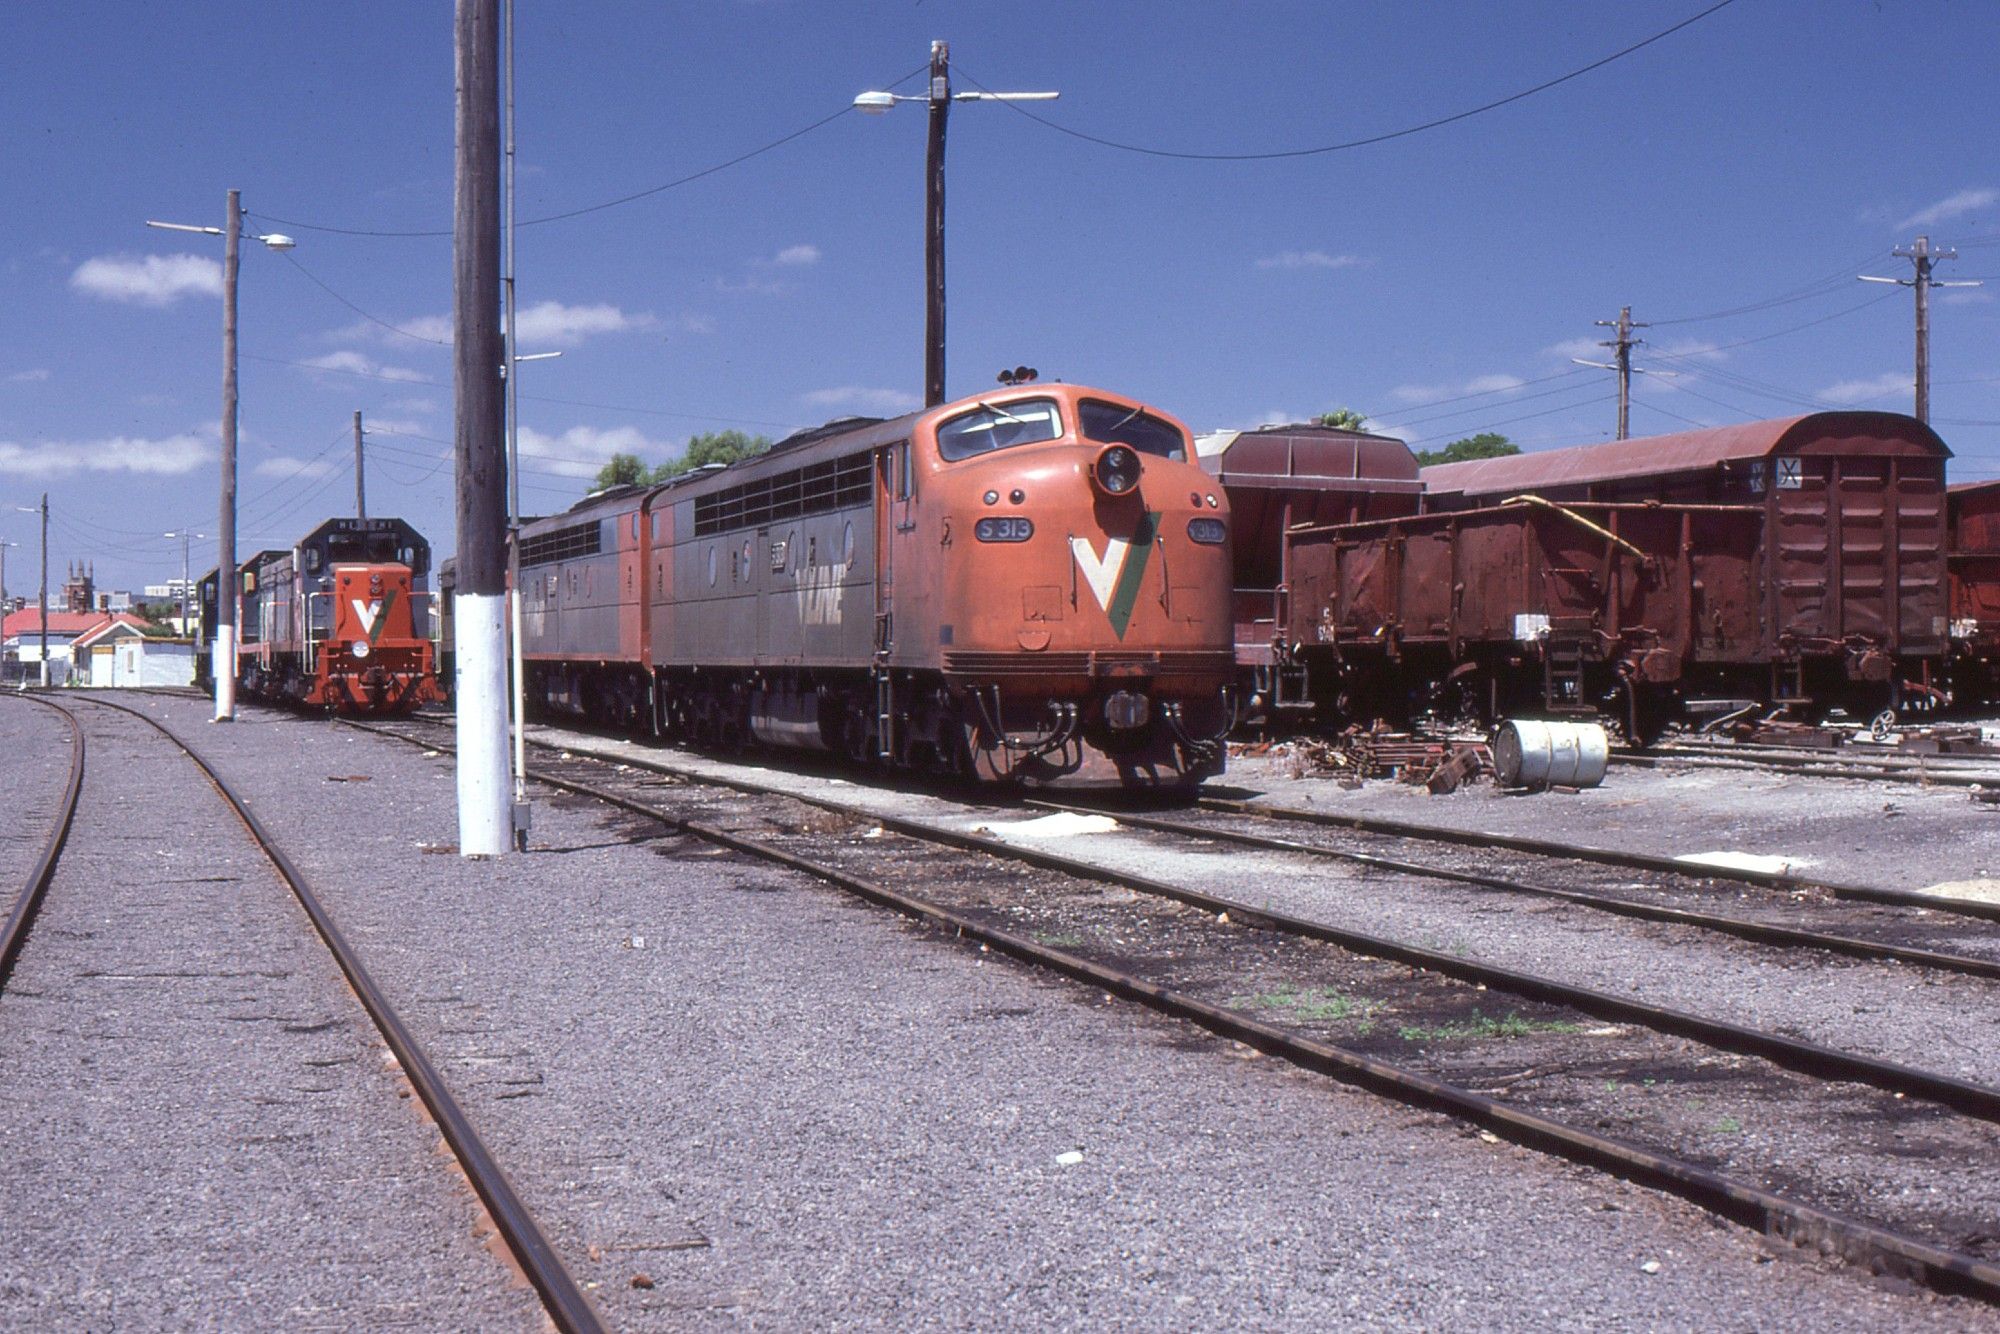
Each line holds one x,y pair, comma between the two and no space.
1063,824
1979,891
1744,861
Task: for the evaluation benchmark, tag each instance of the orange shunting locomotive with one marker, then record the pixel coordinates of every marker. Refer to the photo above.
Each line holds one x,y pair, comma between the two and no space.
339,622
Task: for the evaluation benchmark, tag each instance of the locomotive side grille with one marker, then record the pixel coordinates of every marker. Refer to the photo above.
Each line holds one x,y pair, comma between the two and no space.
578,539
818,488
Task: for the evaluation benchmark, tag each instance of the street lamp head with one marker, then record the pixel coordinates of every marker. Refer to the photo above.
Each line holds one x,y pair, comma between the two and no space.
278,241
873,103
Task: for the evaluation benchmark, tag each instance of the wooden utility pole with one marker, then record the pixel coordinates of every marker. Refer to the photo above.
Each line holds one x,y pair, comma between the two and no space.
1922,257
1623,345
360,477
940,106
485,815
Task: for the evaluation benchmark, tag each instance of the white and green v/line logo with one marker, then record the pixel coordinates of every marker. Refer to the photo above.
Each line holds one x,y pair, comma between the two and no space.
1115,577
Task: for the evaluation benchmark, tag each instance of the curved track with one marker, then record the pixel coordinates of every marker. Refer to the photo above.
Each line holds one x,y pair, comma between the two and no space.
563,1299
20,918
994,926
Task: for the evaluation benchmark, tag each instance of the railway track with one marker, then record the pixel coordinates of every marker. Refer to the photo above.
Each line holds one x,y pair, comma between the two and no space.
1554,1069
529,1249
1968,771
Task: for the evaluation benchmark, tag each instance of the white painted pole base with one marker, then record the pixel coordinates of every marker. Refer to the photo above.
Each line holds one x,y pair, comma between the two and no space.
224,669
485,792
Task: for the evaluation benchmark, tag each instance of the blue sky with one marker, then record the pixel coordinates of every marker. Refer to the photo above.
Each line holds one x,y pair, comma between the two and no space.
1438,282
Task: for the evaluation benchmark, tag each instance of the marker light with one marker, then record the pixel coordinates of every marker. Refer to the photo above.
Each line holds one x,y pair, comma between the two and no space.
359,648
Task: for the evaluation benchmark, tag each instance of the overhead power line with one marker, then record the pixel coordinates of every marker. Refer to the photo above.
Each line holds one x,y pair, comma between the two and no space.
1385,137
634,197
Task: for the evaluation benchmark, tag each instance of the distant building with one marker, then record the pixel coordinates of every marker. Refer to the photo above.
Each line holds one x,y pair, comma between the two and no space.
21,637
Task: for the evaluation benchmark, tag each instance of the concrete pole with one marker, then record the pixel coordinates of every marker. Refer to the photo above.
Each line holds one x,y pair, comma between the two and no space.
45,590
360,478
227,585
479,604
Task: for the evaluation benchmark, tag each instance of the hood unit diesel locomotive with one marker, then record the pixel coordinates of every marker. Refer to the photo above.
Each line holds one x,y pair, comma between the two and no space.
339,622
1027,586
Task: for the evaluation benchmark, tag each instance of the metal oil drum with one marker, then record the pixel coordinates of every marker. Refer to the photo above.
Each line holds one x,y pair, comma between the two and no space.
1534,754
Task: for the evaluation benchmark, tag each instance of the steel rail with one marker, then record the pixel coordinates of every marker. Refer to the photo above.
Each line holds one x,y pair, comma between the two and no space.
1812,769
1763,933
531,1249
1799,1223
1584,852
1820,1062
21,918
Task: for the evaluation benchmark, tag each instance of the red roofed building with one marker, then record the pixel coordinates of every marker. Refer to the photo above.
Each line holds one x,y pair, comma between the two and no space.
21,634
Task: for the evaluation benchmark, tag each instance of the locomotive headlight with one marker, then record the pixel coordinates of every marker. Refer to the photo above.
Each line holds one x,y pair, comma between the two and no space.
1208,532
359,648
1116,470
1003,528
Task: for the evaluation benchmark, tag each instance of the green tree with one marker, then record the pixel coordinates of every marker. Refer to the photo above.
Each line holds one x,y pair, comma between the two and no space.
713,447
1343,419
1485,445
623,470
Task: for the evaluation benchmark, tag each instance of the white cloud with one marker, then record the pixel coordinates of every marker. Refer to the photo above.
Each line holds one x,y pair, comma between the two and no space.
1310,259
167,457
35,376
1575,347
566,326
1478,384
414,404
294,468
1952,206
422,328
1860,391
890,402
797,255
1692,349
1966,298
353,363
1403,433
391,426
582,450
754,286
148,280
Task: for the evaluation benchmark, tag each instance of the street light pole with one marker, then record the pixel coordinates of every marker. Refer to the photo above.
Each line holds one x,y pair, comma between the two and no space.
45,590
227,586
939,97
183,534
940,108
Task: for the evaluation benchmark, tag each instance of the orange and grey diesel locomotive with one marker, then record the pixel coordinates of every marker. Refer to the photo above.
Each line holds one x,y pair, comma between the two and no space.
1027,586
340,622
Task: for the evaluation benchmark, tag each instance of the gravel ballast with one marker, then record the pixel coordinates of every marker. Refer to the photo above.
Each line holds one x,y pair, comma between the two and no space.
197,1123
730,1092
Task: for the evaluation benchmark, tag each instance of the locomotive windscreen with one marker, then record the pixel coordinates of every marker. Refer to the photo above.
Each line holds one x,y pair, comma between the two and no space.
1112,424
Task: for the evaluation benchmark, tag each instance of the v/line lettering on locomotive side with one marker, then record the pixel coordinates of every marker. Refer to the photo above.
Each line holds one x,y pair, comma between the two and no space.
820,593
1114,578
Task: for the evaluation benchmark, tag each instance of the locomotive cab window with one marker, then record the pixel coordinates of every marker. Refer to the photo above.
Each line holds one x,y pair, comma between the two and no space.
1113,424
998,426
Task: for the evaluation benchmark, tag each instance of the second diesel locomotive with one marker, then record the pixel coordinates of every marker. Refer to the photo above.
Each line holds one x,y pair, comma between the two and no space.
1029,586
339,622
